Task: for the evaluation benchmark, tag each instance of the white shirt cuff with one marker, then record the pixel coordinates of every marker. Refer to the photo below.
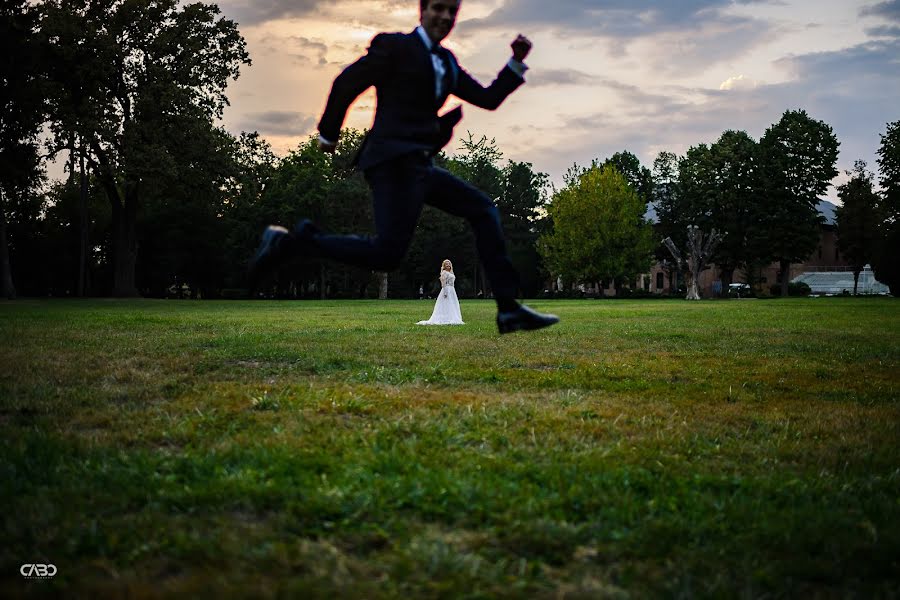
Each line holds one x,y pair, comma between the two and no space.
517,67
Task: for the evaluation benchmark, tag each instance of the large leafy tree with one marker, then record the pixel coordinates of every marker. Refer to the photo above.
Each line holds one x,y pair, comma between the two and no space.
697,173
59,233
131,78
735,203
889,169
638,176
667,199
798,158
181,226
521,204
598,228
885,261
73,67
252,169
696,185
522,196
720,189
21,115
857,219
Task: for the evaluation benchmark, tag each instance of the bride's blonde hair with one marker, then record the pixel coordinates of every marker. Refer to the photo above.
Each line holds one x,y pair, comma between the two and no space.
447,263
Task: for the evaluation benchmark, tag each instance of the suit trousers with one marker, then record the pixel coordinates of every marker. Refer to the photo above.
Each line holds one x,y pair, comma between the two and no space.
400,187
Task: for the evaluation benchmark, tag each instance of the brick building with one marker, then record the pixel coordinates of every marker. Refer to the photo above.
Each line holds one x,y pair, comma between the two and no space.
826,257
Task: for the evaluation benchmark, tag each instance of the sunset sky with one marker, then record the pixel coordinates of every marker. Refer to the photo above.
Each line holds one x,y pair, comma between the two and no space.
605,75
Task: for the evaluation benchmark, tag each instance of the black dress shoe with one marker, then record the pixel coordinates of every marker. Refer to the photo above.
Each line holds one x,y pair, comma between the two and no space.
269,254
278,245
303,233
523,318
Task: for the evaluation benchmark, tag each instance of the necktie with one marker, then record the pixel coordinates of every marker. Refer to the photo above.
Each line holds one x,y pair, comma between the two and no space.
444,80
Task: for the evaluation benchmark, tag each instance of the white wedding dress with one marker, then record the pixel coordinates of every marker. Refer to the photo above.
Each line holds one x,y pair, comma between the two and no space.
446,309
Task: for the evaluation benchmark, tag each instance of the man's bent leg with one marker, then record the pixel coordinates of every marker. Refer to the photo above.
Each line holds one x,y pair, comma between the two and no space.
457,197
454,196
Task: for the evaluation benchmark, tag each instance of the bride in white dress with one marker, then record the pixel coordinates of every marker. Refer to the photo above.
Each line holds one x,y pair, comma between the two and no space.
446,309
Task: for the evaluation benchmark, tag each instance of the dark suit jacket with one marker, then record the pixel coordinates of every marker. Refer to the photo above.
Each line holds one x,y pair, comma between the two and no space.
406,120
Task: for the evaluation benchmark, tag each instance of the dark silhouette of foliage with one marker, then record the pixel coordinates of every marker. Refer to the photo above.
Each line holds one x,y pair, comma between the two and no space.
858,219
885,260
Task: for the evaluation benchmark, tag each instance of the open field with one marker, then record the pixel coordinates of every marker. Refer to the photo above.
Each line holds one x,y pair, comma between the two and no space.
334,449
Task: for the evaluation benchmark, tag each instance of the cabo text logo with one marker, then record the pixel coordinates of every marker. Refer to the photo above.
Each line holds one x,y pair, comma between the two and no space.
37,571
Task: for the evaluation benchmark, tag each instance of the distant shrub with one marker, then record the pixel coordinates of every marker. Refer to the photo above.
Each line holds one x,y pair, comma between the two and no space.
234,293
795,288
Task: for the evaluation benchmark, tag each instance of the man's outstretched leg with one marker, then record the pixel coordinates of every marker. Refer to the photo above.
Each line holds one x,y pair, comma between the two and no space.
277,246
398,187
452,195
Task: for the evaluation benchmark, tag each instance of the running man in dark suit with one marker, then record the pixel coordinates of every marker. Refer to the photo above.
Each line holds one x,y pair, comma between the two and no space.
413,75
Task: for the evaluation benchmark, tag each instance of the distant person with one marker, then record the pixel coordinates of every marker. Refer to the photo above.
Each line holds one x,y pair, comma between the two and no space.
446,307
413,75
421,292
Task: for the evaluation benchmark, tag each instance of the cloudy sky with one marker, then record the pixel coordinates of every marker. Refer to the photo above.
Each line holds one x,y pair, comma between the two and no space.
605,75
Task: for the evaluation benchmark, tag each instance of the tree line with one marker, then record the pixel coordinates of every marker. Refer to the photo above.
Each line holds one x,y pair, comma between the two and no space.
158,196
760,196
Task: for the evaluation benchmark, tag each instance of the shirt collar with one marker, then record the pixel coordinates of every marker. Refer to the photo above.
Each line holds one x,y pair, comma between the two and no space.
424,37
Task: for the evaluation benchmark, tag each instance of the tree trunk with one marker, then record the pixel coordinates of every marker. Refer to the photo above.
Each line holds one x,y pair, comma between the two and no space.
84,234
697,256
693,292
855,281
124,249
383,286
321,282
785,267
9,290
124,220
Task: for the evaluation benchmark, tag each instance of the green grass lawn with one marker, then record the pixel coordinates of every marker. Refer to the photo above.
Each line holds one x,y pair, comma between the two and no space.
335,449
